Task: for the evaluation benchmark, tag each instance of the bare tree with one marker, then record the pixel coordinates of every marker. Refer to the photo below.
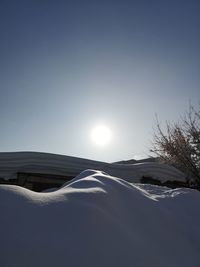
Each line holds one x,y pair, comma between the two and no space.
179,144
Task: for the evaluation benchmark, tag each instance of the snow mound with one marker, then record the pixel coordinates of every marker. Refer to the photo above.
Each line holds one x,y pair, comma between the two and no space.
99,220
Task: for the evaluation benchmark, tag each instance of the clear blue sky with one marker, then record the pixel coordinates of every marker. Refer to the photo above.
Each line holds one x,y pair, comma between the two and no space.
66,66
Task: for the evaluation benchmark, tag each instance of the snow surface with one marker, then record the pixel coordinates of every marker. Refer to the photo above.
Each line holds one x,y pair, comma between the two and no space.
35,162
99,220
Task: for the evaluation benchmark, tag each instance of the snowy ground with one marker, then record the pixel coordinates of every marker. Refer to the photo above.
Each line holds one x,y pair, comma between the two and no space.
99,220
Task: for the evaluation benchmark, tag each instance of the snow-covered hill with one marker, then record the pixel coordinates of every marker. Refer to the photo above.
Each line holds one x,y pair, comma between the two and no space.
99,220
13,162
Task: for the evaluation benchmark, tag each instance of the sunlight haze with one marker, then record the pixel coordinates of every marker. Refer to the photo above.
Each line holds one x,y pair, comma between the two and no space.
67,65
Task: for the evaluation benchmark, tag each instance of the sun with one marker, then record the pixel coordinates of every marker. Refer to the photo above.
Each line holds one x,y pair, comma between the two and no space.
101,135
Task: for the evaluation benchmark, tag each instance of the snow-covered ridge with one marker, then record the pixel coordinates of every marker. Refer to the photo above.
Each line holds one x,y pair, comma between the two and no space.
36,162
99,220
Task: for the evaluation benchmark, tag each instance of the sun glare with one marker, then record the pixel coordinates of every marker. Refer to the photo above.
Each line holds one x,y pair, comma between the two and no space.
101,135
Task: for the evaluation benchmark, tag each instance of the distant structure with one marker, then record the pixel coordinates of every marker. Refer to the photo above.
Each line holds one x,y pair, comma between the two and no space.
40,171
134,161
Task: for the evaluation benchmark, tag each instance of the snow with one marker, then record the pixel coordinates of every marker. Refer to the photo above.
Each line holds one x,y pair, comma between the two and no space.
100,220
35,162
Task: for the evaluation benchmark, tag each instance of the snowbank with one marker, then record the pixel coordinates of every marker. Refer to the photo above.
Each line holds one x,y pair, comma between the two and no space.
99,220
35,162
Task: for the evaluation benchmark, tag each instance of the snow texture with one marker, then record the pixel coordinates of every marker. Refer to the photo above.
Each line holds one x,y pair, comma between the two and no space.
35,162
99,220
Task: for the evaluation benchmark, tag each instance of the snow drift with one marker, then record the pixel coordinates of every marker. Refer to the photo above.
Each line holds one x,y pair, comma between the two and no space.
99,220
